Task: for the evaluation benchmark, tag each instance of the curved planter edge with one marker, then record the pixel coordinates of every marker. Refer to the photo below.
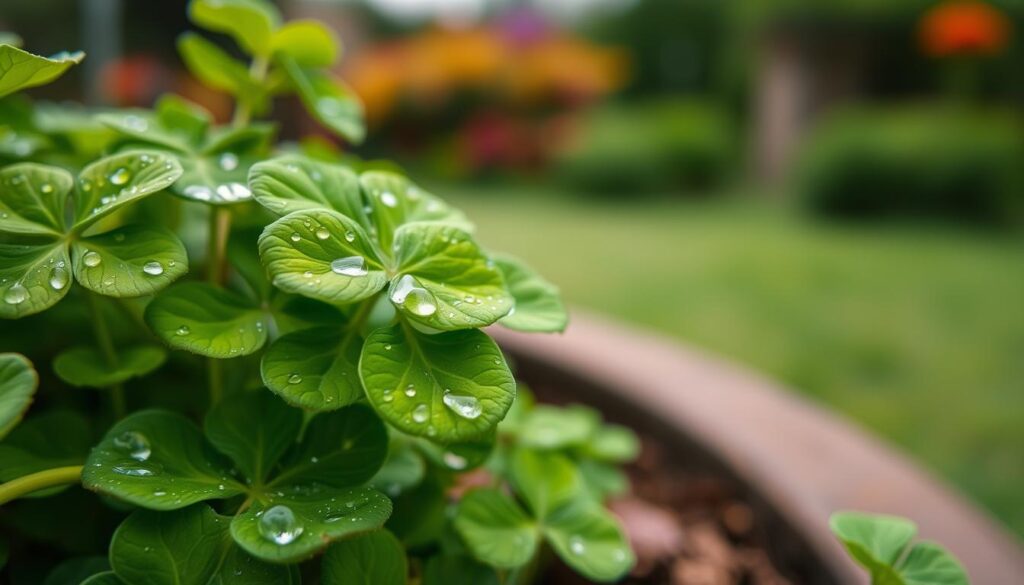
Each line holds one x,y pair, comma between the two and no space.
804,461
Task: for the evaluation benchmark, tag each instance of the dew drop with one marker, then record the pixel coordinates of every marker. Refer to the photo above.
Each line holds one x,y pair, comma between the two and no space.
183,330
388,198
350,237
454,461
295,237
278,525
16,294
464,406
46,188
91,259
576,545
322,233
153,268
120,177
228,161
420,413
410,391
295,379
58,277
409,294
349,266
133,470
135,444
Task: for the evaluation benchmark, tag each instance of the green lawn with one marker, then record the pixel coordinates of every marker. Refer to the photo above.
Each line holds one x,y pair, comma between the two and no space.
917,333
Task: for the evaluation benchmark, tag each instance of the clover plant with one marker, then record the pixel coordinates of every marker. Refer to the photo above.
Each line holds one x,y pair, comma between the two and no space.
882,545
319,401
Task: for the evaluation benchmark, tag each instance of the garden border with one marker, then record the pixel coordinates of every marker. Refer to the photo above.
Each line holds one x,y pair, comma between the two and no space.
780,446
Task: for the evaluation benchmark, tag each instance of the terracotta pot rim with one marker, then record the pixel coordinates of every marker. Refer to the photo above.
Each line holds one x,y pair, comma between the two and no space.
779,445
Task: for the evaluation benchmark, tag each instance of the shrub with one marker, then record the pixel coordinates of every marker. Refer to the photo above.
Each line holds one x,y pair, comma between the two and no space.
660,145
928,162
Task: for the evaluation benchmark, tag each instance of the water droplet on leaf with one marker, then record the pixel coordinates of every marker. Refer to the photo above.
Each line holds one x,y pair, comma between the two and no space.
464,406
278,525
153,268
349,266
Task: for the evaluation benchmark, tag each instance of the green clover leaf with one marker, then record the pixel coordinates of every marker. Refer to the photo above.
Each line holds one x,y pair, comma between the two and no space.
323,255
215,162
300,495
18,382
448,387
582,533
87,366
191,545
538,304
376,557
882,545
315,368
20,69
293,183
207,320
306,42
37,264
329,100
250,22
213,66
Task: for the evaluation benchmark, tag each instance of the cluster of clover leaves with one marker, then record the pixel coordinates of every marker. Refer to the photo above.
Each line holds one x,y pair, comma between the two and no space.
361,297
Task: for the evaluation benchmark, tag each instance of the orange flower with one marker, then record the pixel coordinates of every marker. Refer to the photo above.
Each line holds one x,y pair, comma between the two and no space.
964,27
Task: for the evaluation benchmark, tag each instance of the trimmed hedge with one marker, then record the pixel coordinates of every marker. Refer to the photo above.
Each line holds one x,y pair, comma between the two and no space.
650,146
924,162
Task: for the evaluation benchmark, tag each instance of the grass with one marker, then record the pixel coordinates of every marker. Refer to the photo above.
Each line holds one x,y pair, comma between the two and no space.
917,333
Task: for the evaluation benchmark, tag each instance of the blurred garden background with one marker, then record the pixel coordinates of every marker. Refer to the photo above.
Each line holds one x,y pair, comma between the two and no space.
830,192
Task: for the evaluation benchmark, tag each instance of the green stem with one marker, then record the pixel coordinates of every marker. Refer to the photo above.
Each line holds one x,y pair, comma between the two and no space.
243,107
106,343
27,484
216,260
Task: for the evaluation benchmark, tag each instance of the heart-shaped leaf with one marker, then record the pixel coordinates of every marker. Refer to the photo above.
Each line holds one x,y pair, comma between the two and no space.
331,102
448,387
538,304
316,369
309,43
21,70
880,544
930,564
339,449
33,199
294,526
157,460
613,443
546,480
18,382
115,181
130,261
293,183
876,542
250,22
191,545
254,429
549,427
396,201
207,320
87,366
323,255
447,282
496,529
376,557
33,277
589,540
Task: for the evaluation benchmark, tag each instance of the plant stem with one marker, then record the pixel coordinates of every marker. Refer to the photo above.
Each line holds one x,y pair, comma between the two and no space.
106,343
243,108
34,482
220,228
